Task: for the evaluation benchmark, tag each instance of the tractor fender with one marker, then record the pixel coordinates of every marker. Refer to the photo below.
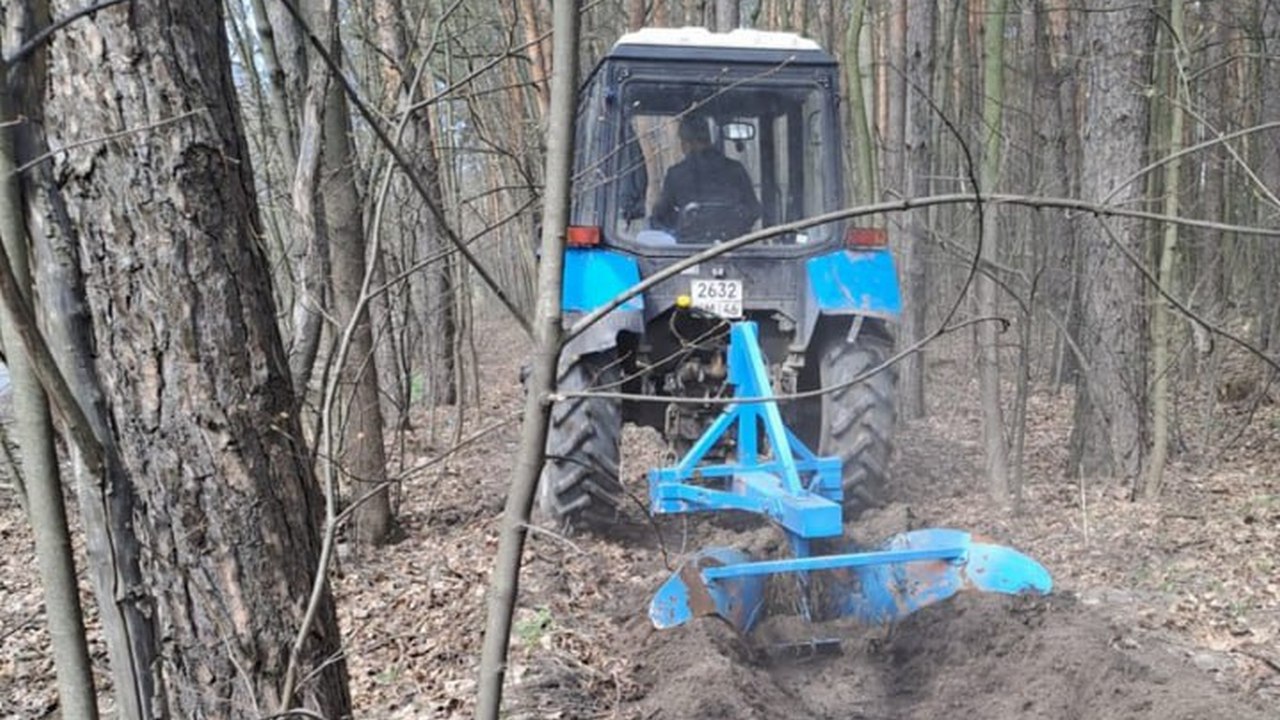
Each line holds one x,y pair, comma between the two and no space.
592,278
855,282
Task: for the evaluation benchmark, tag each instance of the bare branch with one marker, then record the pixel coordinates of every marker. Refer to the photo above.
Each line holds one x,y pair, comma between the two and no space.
895,206
407,167
39,38
104,138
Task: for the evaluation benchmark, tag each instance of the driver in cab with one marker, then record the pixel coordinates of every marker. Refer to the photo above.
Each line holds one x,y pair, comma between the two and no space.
706,197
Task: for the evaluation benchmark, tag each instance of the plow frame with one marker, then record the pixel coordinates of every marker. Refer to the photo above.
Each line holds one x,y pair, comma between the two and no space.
801,493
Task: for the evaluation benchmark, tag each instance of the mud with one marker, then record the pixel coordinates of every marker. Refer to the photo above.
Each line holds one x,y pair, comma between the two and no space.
972,657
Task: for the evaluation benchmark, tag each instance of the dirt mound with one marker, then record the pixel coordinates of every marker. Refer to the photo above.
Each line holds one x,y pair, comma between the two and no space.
975,656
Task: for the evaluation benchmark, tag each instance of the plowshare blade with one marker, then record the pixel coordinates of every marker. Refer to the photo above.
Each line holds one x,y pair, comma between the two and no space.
879,594
687,595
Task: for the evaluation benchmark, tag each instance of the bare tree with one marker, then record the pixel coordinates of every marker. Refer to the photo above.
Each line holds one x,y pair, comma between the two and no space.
362,459
1109,436
505,582
913,169
1170,80
996,449
33,429
199,399
404,82
107,497
858,54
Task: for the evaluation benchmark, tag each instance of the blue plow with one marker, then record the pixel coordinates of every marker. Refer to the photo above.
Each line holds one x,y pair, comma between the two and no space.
801,493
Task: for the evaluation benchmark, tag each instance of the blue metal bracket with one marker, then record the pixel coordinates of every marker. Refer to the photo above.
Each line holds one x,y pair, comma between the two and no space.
790,484
802,493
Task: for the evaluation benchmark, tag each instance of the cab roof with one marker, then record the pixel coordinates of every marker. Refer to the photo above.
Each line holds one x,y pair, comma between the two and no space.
700,44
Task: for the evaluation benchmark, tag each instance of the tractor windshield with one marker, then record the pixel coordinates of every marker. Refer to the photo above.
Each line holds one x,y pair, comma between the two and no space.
700,163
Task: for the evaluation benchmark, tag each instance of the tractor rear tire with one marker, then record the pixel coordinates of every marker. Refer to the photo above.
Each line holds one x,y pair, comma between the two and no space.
580,488
857,421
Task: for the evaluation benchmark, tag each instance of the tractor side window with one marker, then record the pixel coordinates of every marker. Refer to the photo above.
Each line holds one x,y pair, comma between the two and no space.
781,196
819,194
588,171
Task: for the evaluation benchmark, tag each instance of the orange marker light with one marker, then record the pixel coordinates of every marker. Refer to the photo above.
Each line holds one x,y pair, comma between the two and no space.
582,236
856,237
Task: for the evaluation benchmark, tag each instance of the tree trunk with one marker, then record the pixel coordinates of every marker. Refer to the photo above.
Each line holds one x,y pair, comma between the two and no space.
310,241
539,70
857,55
106,494
1109,434
362,458
800,16
636,11
440,326
726,15
996,450
913,170
33,430
504,584
1269,172
1148,486
187,343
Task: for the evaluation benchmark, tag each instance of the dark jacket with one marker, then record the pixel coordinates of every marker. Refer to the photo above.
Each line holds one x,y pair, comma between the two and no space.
706,197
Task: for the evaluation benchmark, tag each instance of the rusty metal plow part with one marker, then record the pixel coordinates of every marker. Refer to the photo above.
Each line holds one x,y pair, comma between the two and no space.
908,572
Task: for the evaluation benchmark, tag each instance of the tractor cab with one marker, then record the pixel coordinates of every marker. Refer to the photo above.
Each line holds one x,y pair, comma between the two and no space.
687,137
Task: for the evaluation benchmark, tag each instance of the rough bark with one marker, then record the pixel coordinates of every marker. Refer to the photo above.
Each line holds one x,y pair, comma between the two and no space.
32,428
1109,434
200,404
362,458
916,170
993,439
106,496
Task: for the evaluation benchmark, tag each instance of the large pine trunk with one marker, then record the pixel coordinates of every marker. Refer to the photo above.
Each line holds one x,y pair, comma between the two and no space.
1110,425
196,383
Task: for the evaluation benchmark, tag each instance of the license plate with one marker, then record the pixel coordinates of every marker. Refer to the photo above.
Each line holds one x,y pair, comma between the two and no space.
718,297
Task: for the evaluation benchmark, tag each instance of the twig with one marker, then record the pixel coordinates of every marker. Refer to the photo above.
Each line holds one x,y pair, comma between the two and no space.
295,712
1181,307
404,164
1221,139
30,618
1266,660
904,204
383,484
539,530
40,37
104,138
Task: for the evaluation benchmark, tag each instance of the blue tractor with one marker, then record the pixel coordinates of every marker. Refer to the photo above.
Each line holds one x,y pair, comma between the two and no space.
687,138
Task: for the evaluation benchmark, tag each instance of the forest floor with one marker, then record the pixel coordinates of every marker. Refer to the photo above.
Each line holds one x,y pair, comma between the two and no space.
1167,609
